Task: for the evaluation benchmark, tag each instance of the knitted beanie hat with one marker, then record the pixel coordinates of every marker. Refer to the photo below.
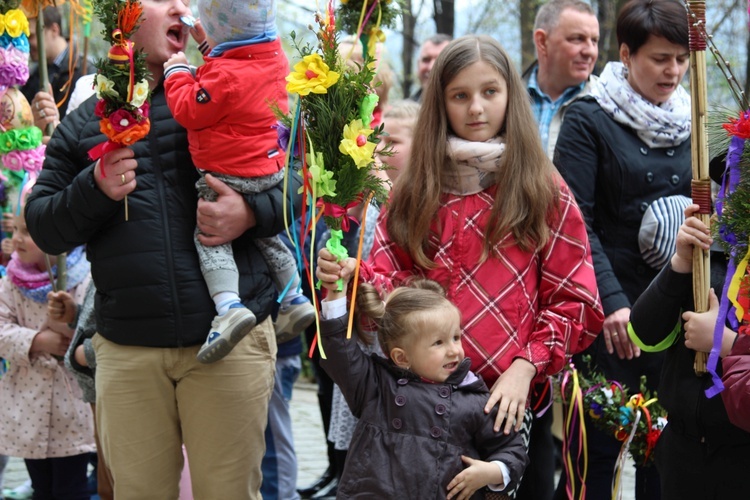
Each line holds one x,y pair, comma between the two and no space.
234,20
657,238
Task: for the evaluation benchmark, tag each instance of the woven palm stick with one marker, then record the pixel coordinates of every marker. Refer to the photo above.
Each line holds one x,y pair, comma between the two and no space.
701,186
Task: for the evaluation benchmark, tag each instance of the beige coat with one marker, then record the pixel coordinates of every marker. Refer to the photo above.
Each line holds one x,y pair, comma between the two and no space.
43,415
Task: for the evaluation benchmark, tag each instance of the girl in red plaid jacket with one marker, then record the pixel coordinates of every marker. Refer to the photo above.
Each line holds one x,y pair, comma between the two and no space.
481,210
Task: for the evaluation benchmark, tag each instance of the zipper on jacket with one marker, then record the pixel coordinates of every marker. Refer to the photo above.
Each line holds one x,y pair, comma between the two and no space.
159,176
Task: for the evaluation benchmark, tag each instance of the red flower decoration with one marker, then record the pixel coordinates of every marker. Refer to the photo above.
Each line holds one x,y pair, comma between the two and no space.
739,127
101,108
122,120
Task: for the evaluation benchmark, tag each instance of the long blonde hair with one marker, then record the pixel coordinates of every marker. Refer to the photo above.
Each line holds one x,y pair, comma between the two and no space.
526,185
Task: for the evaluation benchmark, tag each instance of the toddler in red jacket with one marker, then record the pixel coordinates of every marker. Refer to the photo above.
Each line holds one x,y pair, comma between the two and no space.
225,107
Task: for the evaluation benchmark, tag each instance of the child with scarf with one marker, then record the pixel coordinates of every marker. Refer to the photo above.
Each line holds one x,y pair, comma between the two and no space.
47,424
226,108
480,209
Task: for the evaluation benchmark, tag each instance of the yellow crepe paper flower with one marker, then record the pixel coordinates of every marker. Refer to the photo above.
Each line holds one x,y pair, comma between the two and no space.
140,93
356,145
103,86
14,23
311,74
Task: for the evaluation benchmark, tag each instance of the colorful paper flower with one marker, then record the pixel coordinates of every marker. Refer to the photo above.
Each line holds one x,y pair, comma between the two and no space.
356,145
104,87
122,119
311,74
739,127
14,23
325,184
140,93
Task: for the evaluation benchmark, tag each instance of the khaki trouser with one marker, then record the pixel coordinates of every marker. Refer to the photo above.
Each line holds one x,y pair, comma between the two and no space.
151,400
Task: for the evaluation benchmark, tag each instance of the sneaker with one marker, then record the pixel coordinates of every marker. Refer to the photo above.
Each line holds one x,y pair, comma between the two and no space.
293,319
22,492
226,331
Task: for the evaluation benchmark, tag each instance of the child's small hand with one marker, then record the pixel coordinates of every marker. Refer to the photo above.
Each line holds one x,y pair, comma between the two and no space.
477,475
80,356
329,271
178,58
61,307
7,246
7,223
51,342
692,233
699,329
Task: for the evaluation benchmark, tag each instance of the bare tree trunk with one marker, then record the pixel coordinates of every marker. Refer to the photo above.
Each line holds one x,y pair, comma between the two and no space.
445,18
528,10
609,50
410,45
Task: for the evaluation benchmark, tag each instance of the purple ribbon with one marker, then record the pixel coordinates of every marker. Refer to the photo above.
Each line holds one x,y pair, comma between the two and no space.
726,311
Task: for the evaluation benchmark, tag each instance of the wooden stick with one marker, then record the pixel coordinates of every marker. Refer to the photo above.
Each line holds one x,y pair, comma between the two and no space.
699,152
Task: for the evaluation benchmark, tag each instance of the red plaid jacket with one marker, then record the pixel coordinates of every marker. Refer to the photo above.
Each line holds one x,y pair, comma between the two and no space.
537,306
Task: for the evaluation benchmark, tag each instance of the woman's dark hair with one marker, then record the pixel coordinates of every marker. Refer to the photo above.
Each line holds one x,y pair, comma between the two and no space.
640,19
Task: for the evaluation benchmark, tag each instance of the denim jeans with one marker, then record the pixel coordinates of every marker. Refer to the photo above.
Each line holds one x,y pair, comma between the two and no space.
279,464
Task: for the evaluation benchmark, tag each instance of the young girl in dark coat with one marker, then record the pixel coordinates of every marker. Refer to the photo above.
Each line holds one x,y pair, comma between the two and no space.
421,411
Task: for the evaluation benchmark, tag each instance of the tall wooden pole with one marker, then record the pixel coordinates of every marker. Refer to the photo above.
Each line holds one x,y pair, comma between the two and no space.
62,269
701,186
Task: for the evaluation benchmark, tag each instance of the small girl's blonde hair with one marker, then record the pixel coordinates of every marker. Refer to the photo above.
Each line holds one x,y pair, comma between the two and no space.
399,316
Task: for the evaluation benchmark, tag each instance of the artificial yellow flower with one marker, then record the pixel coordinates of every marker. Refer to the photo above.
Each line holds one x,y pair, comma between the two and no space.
140,93
15,23
104,86
311,74
356,145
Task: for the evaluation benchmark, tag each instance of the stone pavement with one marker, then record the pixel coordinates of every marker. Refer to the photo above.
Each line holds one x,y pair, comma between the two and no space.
309,441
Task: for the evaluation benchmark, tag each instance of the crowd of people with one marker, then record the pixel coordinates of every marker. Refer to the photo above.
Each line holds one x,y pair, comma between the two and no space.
511,244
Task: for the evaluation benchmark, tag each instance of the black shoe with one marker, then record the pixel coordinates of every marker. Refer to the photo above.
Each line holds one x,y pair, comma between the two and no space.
328,491
328,476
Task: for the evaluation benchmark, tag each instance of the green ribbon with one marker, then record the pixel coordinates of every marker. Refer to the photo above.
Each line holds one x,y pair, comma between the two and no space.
338,250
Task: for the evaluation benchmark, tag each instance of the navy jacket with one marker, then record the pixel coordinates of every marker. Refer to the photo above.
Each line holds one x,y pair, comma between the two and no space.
150,291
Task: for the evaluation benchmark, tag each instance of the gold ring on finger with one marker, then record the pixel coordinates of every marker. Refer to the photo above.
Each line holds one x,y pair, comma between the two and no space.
42,114
122,178
615,334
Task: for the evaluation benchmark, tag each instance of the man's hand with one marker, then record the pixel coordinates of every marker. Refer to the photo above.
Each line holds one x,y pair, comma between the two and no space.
615,331
44,110
114,173
477,475
225,219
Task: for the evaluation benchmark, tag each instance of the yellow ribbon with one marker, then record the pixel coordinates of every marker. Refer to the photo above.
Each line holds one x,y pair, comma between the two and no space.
576,402
734,286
